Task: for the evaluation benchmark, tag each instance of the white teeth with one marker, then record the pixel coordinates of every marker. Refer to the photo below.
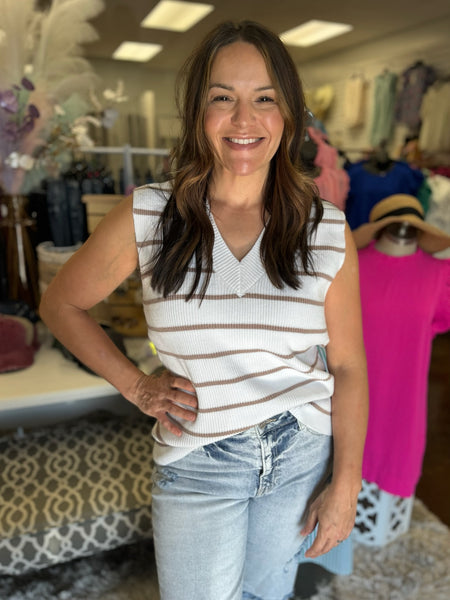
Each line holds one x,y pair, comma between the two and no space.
244,141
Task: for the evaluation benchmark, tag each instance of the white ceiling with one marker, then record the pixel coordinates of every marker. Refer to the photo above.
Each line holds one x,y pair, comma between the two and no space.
120,21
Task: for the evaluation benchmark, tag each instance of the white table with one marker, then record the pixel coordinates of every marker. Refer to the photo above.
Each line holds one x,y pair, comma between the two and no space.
54,388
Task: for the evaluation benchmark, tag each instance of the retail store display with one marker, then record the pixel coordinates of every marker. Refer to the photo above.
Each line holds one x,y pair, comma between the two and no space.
405,298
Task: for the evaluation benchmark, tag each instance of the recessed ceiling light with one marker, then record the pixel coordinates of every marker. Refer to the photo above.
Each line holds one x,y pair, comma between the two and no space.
176,16
314,32
136,51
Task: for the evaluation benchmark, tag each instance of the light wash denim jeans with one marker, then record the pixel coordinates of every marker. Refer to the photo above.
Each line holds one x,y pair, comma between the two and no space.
227,517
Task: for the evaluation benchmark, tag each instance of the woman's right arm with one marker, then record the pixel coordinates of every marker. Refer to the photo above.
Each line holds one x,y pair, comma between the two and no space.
106,259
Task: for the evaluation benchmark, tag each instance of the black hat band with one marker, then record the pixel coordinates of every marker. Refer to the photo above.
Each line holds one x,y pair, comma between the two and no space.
408,210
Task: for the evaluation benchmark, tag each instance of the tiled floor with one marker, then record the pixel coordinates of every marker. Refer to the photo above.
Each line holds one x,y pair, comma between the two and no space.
434,486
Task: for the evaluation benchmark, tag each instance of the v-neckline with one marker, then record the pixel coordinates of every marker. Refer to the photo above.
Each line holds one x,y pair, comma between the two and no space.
239,275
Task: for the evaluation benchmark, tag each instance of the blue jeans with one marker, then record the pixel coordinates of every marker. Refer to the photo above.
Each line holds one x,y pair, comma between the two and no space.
227,516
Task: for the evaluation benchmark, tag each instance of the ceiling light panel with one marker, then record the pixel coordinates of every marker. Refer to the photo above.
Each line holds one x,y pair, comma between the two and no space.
314,32
176,16
136,51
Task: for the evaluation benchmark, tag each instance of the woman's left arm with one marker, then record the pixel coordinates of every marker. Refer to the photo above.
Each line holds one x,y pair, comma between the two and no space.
335,508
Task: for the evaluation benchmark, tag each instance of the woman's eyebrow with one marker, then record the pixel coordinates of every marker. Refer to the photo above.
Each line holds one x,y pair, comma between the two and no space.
230,88
221,85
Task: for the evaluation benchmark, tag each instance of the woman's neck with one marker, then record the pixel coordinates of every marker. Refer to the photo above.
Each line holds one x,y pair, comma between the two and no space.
245,193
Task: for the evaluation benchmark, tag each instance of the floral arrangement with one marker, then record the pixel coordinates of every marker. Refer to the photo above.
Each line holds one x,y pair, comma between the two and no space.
45,88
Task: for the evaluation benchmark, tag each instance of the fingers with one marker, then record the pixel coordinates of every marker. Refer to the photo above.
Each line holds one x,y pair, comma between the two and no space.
328,536
183,384
169,399
311,522
323,544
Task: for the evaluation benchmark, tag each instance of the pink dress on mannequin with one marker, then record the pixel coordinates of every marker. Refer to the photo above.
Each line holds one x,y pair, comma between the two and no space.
405,303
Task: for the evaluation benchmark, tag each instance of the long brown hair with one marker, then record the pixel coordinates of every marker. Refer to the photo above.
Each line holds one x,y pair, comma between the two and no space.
288,195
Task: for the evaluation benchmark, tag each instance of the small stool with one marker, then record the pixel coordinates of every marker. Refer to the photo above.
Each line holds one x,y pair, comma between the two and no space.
74,489
381,517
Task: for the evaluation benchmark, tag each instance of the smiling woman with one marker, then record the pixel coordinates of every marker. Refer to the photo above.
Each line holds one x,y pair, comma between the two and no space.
243,122
251,298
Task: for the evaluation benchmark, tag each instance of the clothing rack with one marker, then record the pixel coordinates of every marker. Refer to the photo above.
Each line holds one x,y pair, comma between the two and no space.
127,152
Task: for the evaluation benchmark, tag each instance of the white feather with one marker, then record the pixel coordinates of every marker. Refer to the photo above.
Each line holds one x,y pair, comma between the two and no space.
64,30
16,20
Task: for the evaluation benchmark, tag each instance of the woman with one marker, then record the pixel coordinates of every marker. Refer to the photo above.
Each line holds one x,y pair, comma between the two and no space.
247,276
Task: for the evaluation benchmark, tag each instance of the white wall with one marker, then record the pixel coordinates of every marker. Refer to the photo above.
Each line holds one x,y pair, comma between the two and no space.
428,43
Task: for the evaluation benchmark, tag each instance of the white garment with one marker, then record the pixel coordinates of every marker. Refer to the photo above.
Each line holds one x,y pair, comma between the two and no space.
250,349
354,101
438,213
434,133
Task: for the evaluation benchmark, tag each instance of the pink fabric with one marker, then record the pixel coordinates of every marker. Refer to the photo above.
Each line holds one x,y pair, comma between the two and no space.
405,303
327,155
333,182
334,185
18,343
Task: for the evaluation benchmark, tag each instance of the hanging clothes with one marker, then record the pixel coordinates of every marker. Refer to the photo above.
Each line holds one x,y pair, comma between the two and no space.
368,188
414,82
438,213
332,181
405,303
354,101
384,93
434,135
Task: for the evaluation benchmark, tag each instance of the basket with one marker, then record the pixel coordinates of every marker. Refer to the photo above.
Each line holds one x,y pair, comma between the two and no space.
380,517
50,259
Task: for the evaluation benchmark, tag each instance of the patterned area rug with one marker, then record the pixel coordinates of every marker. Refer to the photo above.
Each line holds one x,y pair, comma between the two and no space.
413,567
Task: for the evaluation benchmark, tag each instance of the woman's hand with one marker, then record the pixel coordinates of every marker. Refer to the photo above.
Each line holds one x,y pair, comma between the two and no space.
164,396
335,513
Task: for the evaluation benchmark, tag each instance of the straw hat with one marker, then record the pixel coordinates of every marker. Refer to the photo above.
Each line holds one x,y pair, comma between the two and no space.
319,100
401,208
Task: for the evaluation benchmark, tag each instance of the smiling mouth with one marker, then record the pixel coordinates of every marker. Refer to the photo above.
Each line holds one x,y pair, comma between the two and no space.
243,141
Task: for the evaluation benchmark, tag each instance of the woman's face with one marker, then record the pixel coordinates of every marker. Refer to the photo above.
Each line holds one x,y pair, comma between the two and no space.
243,122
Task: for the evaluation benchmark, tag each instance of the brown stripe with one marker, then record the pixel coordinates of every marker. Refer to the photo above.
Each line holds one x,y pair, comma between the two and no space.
234,431
147,243
319,408
241,378
234,326
145,274
329,249
146,211
234,297
319,274
210,435
329,221
214,355
157,435
253,375
260,400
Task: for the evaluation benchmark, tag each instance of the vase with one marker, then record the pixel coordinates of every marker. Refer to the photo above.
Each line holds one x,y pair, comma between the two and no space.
21,265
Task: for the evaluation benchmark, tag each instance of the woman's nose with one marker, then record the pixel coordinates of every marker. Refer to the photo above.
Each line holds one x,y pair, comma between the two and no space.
243,113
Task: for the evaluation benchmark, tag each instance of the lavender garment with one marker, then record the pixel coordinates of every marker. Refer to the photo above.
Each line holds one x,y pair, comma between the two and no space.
405,303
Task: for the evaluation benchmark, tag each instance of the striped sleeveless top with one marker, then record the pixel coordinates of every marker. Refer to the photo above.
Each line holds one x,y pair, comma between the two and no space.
251,350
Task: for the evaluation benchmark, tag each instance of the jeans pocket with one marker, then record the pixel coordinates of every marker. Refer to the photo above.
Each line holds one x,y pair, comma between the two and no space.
308,429
163,477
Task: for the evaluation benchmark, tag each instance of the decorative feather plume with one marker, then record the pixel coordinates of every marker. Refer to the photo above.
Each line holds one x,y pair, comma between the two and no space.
40,67
57,59
16,20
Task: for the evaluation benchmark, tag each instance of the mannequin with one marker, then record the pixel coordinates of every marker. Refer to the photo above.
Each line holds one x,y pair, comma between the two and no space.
379,162
405,302
398,239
